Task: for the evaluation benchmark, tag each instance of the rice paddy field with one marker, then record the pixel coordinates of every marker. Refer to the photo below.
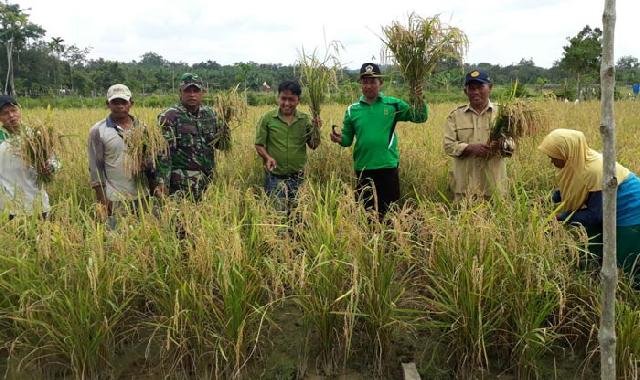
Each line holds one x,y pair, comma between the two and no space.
482,290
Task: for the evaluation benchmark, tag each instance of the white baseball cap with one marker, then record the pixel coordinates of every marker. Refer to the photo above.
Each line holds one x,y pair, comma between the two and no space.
118,91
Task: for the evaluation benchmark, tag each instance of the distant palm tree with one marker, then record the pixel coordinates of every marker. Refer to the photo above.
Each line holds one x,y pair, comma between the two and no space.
56,45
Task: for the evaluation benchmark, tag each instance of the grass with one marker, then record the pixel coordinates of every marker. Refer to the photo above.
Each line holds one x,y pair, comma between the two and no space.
467,290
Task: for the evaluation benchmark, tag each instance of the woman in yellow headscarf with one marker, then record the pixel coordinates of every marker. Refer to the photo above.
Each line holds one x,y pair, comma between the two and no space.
580,180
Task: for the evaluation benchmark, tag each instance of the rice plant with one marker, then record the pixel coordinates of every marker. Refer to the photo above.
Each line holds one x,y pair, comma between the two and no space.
231,109
319,75
386,308
420,45
70,314
213,302
488,289
143,144
38,144
628,355
518,118
327,288
481,253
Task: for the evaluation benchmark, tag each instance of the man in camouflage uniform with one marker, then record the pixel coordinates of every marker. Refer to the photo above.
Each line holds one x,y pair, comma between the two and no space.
193,133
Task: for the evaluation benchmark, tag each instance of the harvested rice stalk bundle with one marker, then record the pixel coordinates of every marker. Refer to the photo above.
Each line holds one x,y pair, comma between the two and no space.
143,144
517,118
38,144
418,47
319,76
231,108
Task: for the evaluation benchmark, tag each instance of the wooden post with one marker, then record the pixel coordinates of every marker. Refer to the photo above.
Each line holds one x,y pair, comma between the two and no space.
609,272
8,84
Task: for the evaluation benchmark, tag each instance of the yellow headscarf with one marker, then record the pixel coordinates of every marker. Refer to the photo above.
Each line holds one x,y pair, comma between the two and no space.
582,172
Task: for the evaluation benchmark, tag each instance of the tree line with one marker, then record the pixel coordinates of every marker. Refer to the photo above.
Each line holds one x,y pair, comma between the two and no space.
33,66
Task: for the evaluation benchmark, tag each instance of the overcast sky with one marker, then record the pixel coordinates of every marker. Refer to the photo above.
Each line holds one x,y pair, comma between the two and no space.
230,31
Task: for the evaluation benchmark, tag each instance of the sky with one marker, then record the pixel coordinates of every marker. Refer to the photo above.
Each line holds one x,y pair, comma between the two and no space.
499,31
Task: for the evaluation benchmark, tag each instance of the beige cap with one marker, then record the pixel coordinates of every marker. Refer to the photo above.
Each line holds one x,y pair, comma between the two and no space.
118,91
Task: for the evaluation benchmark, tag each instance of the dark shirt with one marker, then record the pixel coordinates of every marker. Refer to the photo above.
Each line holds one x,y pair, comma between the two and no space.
590,216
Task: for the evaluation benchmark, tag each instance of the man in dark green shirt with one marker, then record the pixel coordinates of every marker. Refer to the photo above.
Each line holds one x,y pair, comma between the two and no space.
372,121
282,137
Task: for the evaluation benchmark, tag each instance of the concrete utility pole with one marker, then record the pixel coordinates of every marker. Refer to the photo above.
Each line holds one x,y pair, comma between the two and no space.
609,272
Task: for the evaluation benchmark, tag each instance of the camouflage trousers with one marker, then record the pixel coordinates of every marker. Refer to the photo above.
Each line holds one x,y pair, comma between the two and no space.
189,183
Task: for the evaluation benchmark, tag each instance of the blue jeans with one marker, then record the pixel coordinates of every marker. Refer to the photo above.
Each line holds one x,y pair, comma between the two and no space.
283,189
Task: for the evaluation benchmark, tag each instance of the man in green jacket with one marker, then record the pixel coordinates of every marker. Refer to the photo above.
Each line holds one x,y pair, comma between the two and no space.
372,121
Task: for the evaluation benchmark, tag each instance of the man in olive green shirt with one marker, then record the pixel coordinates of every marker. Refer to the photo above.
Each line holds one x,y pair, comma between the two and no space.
282,137
475,170
372,121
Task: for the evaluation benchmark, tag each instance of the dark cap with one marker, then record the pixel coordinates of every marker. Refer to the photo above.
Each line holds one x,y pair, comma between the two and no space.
479,76
6,99
189,79
370,70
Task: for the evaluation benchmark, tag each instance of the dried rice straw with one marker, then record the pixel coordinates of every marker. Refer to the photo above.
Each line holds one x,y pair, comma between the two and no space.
420,45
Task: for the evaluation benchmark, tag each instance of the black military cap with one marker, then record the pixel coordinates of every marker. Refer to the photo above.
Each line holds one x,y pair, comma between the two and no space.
370,70
6,99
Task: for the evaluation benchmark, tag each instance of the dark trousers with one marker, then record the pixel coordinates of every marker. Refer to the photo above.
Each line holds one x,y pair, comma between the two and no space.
378,188
283,189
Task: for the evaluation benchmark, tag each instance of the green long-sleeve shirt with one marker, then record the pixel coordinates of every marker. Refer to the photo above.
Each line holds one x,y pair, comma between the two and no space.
372,125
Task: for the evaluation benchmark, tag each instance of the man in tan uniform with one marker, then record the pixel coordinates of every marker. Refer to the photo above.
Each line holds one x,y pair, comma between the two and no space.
475,170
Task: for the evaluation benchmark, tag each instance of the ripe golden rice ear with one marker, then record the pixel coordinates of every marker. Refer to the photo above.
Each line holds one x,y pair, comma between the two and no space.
319,76
231,108
418,46
143,144
518,118
39,143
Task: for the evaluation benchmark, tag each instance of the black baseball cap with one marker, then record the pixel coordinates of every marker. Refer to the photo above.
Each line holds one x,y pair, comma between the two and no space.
6,99
370,70
477,75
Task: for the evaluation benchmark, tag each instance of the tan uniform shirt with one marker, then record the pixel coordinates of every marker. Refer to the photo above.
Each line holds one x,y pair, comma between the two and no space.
473,176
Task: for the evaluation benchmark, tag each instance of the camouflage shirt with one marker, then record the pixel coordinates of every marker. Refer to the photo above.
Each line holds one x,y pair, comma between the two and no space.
192,138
